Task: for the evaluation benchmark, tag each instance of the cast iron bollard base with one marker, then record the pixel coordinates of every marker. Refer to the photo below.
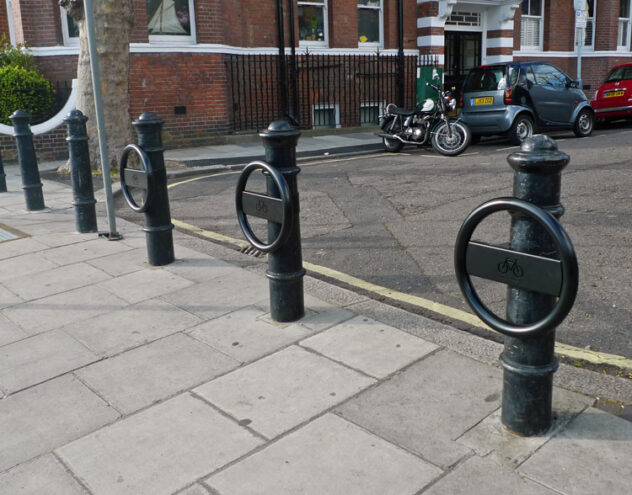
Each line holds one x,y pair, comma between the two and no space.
81,173
529,362
158,227
285,265
3,176
31,182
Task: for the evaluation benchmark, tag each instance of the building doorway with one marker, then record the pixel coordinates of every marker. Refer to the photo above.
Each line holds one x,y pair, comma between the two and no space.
462,53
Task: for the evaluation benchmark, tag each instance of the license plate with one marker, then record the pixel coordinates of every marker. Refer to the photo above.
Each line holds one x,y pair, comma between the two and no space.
612,94
486,100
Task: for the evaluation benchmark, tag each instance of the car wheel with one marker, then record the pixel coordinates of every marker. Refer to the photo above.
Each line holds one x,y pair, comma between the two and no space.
521,129
584,123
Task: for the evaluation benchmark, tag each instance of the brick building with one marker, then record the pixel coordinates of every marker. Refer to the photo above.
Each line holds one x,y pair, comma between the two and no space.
204,65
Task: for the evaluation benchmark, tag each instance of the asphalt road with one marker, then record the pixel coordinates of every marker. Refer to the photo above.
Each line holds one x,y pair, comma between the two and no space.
392,219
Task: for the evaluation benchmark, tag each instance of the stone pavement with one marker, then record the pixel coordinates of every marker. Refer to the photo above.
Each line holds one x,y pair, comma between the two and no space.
121,378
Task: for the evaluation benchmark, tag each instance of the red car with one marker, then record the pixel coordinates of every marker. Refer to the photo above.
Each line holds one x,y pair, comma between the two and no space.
613,99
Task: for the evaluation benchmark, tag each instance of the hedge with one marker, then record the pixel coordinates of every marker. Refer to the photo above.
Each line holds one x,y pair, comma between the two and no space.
23,89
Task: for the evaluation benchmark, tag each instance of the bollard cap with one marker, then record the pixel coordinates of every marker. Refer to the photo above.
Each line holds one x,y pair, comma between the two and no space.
538,155
75,116
280,133
20,116
148,118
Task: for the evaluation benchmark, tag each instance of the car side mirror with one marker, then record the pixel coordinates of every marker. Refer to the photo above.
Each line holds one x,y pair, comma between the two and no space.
572,84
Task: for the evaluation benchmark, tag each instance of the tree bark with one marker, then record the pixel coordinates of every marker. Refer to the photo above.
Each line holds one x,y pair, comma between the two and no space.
113,21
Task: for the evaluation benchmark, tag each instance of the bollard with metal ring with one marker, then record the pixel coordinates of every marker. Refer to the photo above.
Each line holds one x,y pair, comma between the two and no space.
541,288
81,172
3,176
152,180
280,206
31,182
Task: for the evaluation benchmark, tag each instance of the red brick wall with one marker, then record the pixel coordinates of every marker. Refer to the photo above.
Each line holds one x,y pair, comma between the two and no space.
559,25
60,68
4,22
38,22
49,146
159,82
606,25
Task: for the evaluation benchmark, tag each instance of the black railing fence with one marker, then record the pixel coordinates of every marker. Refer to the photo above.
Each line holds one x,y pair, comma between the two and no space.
330,91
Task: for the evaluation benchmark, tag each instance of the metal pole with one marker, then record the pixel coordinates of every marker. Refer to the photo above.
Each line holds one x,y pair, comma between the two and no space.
3,180
31,182
285,266
580,43
98,108
281,69
529,362
294,77
400,54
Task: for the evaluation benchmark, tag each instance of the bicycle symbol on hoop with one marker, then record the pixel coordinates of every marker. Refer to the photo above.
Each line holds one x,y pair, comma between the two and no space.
511,265
261,207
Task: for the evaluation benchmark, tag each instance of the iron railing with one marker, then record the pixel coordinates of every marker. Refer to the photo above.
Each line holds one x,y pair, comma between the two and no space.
330,90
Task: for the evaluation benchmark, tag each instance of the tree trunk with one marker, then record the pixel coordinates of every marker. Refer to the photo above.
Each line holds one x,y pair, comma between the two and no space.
113,21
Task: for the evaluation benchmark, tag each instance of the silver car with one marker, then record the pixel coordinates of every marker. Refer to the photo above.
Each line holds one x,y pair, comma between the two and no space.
517,99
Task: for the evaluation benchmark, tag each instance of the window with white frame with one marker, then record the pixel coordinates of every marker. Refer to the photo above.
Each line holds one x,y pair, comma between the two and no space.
623,36
531,25
589,32
312,22
69,29
170,20
370,112
326,115
370,23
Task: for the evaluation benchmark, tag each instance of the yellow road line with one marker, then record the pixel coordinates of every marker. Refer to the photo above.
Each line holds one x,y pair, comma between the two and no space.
566,350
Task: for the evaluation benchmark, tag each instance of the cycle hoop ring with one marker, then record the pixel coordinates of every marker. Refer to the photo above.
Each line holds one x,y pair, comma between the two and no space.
148,194
286,206
568,259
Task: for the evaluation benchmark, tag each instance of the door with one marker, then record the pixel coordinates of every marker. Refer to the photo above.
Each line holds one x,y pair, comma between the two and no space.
462,53
551,95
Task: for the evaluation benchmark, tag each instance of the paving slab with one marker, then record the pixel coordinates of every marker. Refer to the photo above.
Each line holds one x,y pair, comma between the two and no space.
66,235
194,490
131,326
158,451
61,309
329,456
44,417
490,439
24,265
283,390
18,247
323,314
83,251
592,455
9,331
40,358
140,377
199,267
216,298
245,336
44,475
429,405
8,298
49,282
145,284
122,263
369,346
477,475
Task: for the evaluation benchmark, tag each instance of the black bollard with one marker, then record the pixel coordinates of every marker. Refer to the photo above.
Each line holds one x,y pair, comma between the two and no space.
31,182
81,173
158,227
3,176
529,361
285,265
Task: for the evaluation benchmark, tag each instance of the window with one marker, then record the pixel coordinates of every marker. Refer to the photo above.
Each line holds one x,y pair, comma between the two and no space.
69,29
623,37
312,22
589,32
370,112
170,20
326,115
547,75
370,25
531,25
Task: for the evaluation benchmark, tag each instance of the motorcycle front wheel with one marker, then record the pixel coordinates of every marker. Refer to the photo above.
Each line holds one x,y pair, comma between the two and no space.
392,145
453,142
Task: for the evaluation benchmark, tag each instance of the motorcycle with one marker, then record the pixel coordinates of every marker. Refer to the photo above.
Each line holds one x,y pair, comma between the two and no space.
426,123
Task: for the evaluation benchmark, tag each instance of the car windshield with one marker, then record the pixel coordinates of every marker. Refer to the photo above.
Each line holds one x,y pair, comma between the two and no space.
486,79
620,74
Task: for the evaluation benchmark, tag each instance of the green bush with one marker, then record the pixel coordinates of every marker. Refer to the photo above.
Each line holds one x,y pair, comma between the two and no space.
16,56
23,89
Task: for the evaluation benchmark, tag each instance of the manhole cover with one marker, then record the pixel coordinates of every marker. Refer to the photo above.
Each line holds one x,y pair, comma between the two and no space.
10,234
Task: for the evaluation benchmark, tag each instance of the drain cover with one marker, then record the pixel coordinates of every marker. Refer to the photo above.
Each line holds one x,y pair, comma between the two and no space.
10,234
